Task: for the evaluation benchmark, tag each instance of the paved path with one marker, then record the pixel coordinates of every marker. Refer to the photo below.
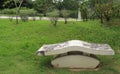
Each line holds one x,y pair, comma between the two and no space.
38,18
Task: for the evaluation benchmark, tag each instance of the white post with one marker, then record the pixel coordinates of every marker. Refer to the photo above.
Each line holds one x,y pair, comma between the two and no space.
79,15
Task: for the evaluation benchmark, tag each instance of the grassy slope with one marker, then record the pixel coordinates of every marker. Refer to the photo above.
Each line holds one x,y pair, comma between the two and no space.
18,45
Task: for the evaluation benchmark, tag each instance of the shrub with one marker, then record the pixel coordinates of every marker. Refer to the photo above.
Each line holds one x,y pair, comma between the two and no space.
73,14
8,11
114,21
28,12
24,18
54,18
23,11
65,14
53,13
10,18
0,11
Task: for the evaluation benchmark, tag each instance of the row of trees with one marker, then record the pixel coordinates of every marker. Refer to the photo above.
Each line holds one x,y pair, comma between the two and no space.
10,3
90,9
106,9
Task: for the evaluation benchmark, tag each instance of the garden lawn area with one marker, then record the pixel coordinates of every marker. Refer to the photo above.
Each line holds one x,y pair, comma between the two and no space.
19,43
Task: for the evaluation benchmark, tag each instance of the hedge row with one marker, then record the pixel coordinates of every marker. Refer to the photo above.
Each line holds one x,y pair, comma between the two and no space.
23,11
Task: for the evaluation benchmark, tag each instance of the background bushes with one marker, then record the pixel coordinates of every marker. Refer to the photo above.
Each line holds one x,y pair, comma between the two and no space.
8,11
73,14
23,12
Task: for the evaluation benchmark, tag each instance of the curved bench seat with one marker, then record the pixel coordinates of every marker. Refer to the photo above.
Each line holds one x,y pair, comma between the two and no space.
76,45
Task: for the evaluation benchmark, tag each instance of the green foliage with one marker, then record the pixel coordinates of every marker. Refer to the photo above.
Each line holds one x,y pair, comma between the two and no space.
116,9
43,6
1,4
53,13
28,12
102,9
24,11
28,3
70,4
84,10
105,9
73,14
54,18
10,3
8,11
113,22
58,4
65,13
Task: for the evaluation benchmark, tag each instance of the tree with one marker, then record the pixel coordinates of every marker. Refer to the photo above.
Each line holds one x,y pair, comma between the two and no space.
104,9
65,14
108,10
8,4
43,6
15,4
1,4
99,12
18,4
54,18
116,9
28,3
59,5
70,4
84,10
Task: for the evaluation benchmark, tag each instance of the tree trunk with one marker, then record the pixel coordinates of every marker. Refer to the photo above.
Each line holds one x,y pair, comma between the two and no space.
45,14
107,19
17,9
17,12
66,21
60,13
55,23
101,18
86,18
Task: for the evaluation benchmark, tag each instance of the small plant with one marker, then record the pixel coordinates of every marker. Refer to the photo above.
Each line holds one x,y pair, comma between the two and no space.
24,18
8,11
54,18
54,21
73,14
65,15
33,18
25,13
10,18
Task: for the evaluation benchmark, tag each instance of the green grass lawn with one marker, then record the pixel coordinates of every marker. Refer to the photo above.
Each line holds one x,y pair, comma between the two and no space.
19,43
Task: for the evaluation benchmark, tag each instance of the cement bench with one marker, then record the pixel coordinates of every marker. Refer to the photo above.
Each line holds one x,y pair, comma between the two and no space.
75,54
